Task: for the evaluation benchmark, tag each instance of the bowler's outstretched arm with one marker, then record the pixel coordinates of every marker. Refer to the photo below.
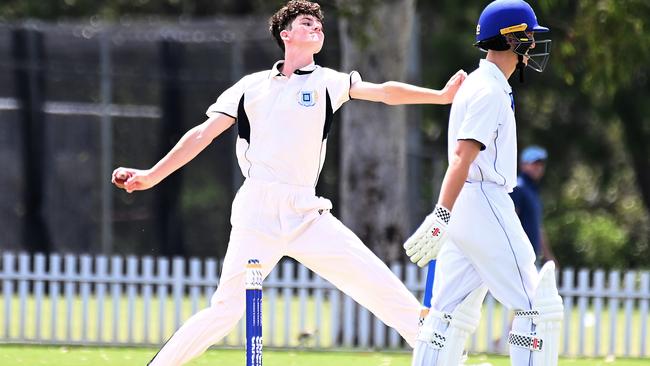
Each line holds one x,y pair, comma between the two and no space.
187,148
395,93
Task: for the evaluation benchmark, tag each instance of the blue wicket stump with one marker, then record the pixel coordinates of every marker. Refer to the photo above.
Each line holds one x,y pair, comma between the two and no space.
253,313
428,291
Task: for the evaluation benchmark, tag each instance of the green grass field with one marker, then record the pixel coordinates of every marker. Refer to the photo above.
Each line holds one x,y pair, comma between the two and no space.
78,356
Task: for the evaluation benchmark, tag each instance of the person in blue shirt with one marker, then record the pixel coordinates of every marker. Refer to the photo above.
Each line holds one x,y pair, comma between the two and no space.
528,204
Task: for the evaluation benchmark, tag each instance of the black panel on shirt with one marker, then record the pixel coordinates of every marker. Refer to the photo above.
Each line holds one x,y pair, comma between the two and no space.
243,126
329,115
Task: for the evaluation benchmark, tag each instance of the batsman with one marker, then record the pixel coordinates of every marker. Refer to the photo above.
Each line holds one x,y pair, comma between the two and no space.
474,231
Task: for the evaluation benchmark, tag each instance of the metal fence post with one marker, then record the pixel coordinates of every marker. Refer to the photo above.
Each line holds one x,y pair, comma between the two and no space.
28,55
169,191
106,132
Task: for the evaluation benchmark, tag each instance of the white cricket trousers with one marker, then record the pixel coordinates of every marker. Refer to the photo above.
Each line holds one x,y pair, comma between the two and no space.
487,245
272,220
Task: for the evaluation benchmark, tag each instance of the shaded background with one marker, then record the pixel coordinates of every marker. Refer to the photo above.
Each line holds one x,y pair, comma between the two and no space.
85,88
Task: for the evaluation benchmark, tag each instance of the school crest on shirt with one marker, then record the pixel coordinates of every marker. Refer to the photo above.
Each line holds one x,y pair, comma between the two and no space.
307,98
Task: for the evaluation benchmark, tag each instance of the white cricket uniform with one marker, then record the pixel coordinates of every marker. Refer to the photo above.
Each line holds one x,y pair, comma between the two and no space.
283,125
487,243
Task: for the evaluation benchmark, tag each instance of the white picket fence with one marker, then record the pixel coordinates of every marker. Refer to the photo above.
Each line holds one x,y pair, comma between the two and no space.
140,301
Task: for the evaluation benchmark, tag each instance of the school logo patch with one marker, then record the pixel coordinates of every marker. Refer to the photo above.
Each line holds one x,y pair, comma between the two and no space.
307,98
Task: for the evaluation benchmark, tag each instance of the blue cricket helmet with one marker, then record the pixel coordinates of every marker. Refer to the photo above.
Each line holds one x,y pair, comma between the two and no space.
506,16
508,23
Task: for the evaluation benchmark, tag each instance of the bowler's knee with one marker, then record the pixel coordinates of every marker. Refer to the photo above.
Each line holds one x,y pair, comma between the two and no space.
231,302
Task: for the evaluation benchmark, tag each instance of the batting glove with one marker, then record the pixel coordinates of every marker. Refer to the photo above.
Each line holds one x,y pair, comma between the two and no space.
425,243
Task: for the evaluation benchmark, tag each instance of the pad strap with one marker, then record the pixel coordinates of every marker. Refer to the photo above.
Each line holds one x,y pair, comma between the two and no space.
527,341
435,339
527,314
446,317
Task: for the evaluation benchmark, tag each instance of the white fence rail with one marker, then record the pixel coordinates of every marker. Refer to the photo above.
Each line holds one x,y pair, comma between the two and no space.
140,301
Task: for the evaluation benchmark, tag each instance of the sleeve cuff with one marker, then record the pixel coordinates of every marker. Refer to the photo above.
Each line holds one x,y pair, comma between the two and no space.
355,77
212,113
473,139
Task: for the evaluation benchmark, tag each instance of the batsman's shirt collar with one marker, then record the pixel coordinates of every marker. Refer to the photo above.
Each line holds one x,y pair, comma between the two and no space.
494,71
275,71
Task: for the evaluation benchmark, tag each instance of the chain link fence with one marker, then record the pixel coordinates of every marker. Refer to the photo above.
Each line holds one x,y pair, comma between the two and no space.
79,99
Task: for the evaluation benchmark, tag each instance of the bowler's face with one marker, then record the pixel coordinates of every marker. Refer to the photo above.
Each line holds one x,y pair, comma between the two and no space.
307,31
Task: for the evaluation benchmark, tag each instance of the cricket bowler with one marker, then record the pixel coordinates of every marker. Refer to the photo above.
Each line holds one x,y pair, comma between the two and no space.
283,117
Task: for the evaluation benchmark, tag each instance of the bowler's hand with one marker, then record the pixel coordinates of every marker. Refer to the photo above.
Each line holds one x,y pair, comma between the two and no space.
132,179
425,243
450,89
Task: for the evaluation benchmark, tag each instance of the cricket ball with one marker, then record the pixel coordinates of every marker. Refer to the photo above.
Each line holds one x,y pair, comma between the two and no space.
120,179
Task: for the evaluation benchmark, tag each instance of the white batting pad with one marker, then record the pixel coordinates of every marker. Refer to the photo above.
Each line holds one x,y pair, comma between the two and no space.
465,319
430,338
547,314
435,348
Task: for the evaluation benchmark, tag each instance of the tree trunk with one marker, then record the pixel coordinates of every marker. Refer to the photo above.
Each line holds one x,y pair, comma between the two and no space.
373,154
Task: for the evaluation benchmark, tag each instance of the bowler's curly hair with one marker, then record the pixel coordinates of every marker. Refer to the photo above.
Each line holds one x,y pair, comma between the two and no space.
283,18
